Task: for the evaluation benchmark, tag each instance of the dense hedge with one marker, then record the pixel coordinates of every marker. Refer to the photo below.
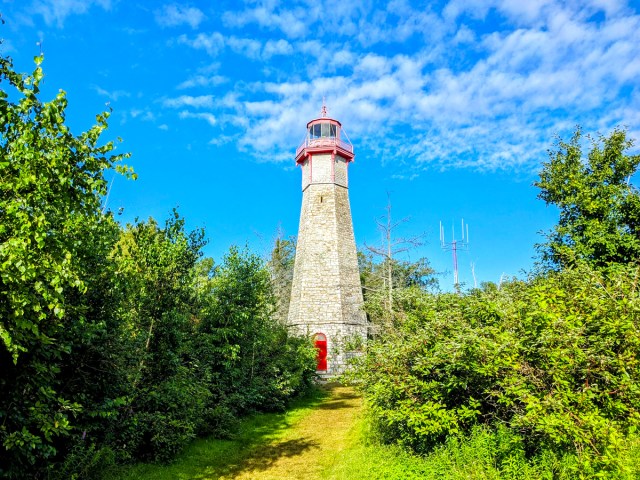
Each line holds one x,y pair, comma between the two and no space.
554,359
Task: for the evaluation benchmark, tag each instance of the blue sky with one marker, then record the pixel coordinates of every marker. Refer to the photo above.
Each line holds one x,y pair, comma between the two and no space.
451,107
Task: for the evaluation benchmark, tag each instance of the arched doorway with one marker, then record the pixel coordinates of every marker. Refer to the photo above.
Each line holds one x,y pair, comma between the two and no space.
320,342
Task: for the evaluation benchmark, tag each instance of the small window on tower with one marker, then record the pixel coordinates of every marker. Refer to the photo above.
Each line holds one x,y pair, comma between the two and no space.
325,129
333,131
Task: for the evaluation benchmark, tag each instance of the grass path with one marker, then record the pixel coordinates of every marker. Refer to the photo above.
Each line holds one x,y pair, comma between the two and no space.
302,443
309,447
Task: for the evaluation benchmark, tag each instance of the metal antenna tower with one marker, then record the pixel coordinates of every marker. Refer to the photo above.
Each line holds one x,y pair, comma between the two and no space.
454,245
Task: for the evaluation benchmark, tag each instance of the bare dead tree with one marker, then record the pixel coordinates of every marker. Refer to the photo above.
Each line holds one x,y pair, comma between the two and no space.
390,247
280,265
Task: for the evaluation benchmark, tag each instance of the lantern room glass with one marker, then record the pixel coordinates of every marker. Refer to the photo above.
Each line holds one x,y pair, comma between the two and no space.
323,130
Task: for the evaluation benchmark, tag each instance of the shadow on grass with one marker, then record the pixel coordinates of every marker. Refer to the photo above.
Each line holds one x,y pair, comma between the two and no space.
263,457
339,400
253,447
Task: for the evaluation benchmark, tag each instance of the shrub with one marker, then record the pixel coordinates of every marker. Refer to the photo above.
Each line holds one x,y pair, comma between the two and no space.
554,359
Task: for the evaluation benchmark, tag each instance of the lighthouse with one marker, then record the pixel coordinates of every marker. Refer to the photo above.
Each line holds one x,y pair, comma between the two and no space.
326,295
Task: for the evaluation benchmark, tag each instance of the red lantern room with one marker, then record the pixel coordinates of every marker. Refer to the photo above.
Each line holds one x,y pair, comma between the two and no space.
325,135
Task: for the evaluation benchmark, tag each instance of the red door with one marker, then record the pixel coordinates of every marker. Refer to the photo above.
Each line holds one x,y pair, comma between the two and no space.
320,342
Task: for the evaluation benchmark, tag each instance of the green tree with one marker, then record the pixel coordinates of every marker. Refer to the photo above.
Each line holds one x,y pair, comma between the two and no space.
599,206
50,180
262,365
54,239
116,344
158,266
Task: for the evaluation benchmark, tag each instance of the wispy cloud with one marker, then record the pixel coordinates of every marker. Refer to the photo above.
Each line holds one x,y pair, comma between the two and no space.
111,95
174,15
214,43
483,84
145,115
202,101
496,107
203,81
208,117
56,11
267,14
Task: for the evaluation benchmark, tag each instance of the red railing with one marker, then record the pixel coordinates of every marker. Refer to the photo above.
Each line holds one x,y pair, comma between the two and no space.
324,142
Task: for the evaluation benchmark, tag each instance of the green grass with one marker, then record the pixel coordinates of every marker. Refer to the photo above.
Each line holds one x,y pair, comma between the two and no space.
211,458
484,455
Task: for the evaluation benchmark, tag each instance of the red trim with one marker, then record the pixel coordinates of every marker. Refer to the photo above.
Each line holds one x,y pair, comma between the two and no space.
323,120
307,151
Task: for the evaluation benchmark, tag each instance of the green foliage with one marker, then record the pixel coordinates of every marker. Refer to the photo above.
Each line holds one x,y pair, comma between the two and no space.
83,461
554,359
390,288
157,266
117,344
262,364
599,207
51,183
481,454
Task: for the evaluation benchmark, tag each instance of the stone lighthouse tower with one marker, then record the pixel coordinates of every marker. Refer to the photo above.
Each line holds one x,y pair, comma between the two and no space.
326,295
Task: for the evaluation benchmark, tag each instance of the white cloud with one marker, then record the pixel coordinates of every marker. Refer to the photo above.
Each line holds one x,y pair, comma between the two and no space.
112,95
212,43
145,115
174,15
202,101
222,140
368,22
464,35
56,11
245,46
267,14
485,84
277,47
203,81
208,117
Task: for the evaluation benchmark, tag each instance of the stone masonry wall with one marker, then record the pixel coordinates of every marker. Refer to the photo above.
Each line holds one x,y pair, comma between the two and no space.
326,294
341,172
320,170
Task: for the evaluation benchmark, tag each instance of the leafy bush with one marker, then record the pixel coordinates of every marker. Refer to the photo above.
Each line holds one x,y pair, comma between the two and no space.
554,359
84,461
251,358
